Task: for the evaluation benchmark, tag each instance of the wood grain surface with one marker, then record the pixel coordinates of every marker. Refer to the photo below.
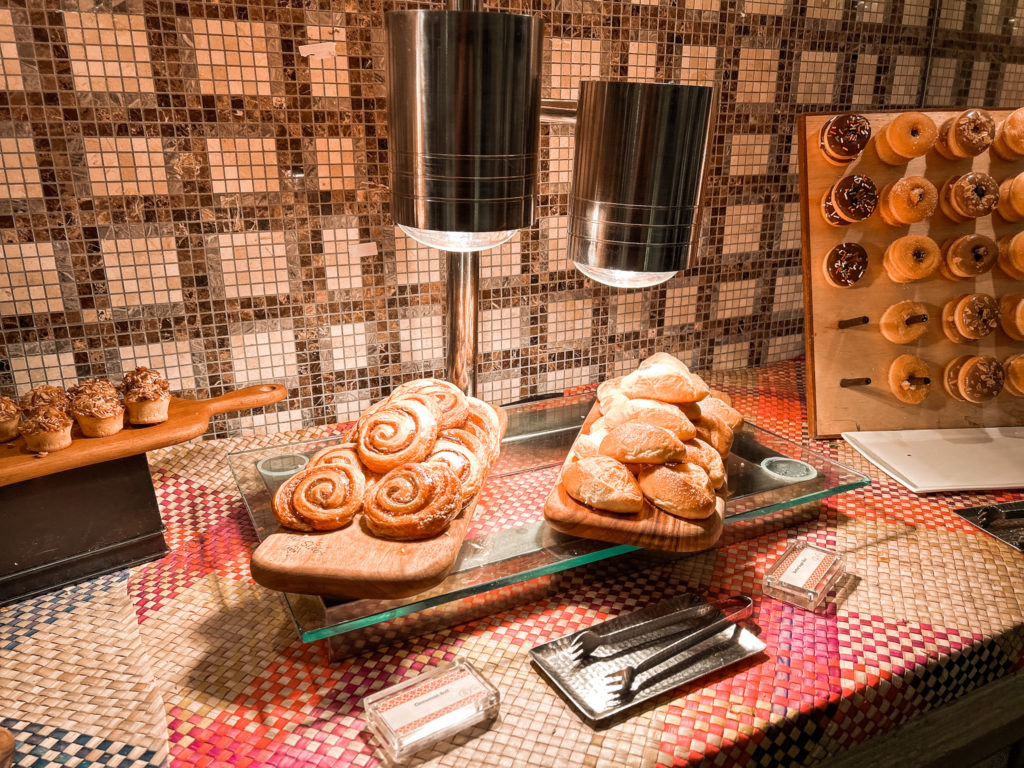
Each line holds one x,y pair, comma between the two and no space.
351,562
862,351
650,528
186,419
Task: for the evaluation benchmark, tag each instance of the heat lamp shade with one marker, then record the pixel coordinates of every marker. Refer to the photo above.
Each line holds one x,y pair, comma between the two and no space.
637,174
463,119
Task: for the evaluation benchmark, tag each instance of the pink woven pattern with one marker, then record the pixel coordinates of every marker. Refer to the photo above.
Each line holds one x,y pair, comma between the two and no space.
931,614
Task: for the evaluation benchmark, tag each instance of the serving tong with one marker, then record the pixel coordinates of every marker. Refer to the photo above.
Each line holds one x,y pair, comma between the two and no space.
619,683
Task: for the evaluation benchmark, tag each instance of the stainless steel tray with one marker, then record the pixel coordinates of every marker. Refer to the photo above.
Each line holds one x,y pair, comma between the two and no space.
582,683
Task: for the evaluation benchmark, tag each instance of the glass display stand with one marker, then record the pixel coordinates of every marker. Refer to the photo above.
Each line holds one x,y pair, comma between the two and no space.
509,542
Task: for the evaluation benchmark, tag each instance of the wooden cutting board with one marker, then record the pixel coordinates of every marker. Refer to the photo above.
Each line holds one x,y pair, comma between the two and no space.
650,528
351,562
185,419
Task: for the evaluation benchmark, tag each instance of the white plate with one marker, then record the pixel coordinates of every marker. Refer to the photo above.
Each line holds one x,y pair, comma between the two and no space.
930,460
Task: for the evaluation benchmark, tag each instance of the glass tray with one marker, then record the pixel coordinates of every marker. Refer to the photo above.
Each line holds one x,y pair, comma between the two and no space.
508,541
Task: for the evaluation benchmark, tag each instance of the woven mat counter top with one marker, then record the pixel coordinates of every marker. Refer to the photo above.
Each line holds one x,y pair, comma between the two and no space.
205,668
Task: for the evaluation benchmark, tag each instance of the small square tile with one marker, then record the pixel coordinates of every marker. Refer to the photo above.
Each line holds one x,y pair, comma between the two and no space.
559,381
570,322
271,422
748,154
560,151
631,312
57,368
785,347
10,64
141,271
29,281
866,80
109,52
172,358
758,72
503,261
349,407
697,65
643,60
555,234
788,296
573,60
499,391
347,346
681,304
735,298
336,163
328,75
907,79
789,237
817,77
421,339
19,169
1012,92
730,356
502,329
243,165
342,266
232,57
742,228
128,165
253,264
416,263
264,356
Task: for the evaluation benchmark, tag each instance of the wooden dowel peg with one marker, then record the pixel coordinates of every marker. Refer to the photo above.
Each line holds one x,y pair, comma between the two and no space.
915,319
854,382
853,322
918,381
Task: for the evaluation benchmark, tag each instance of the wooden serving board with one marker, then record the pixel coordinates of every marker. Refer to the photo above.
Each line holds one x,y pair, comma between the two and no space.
650,528
862,351
185,419
351,562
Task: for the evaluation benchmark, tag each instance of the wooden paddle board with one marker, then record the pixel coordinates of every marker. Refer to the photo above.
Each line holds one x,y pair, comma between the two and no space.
351,562
651,528
185,419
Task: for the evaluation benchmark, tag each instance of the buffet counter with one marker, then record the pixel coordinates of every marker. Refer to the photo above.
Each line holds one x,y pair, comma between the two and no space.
187,659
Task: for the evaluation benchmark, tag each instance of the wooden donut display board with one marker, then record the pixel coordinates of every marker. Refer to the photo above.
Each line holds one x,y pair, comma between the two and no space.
186,419
351,562
650,529
848,358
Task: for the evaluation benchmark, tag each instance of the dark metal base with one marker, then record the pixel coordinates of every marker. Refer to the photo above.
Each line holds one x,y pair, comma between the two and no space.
65,528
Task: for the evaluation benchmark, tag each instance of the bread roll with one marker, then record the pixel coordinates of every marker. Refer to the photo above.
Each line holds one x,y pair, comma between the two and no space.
716,405
707,458
609,393
637,443
663,377
603,483
683,490
711,428
725,398
588,444
653,412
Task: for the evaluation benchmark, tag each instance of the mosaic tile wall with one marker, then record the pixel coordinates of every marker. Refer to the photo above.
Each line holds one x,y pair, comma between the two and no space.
183,186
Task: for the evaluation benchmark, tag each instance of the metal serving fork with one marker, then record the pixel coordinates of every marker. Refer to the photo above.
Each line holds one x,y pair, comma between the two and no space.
587,642
620,682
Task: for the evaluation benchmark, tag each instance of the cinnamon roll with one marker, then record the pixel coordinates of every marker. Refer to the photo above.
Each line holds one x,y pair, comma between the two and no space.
342,453
452,400
480,447
321,498
483,422
466,465
401,431
413,501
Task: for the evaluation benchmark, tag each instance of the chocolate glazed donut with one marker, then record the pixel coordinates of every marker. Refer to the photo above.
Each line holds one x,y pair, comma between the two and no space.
844,137
846,264
851,199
